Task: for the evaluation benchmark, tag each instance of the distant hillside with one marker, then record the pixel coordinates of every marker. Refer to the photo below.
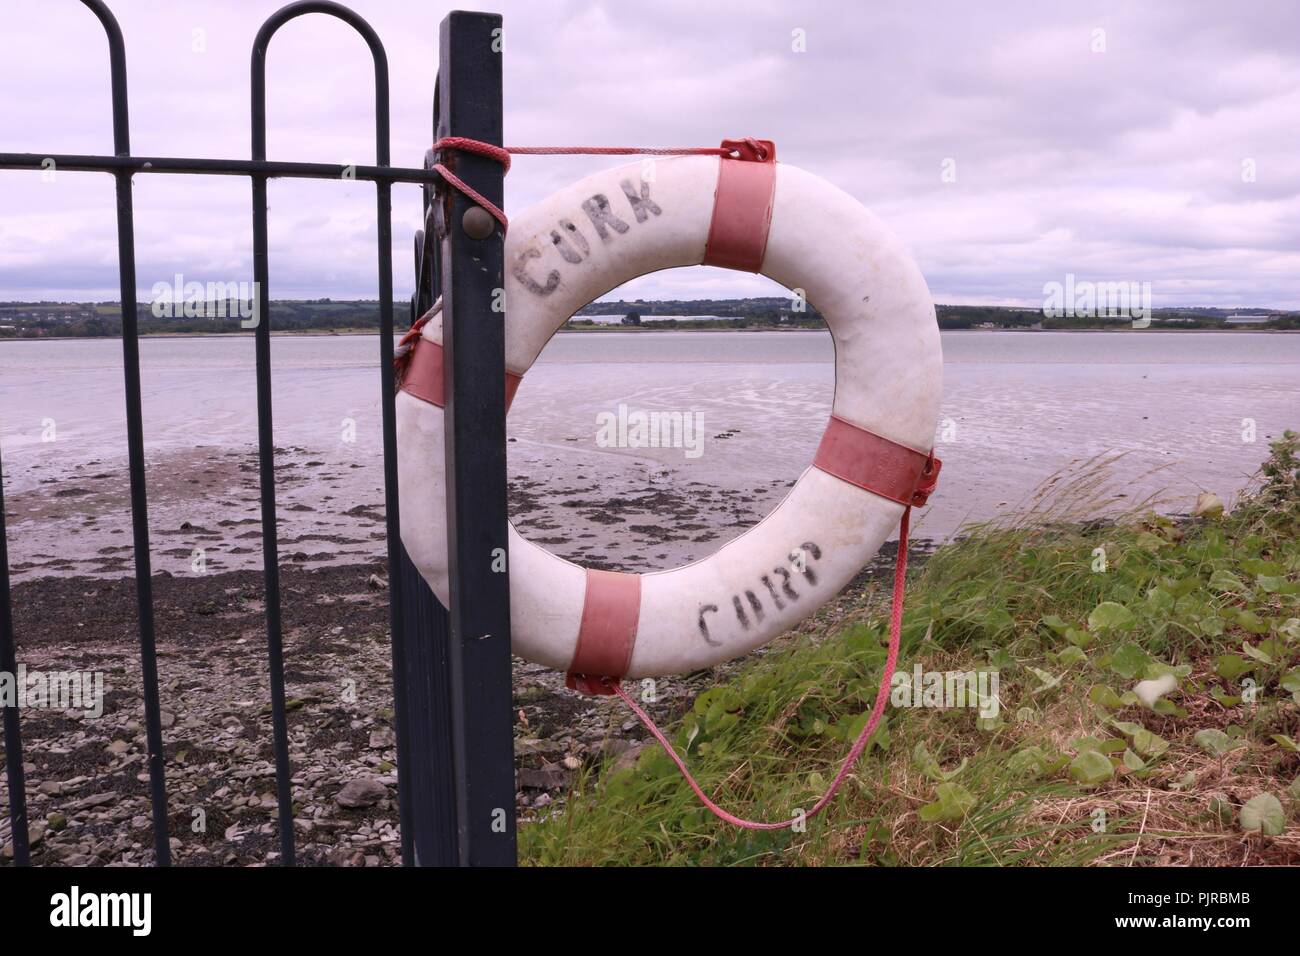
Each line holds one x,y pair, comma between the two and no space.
778,310
92,319
81,319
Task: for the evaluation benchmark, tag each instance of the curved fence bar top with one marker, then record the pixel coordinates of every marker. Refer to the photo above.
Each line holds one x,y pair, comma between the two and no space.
265,435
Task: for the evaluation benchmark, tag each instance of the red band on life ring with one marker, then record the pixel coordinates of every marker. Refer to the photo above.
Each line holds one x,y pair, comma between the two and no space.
607,634
876,464
742,206
423,376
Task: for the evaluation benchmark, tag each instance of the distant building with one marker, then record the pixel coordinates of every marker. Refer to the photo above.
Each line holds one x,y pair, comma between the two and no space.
1244,319
618,319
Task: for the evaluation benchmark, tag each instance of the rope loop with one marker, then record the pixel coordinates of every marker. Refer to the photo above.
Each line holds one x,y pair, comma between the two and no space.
859,745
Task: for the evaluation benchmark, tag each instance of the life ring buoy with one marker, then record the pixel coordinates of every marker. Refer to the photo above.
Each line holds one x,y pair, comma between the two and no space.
748,213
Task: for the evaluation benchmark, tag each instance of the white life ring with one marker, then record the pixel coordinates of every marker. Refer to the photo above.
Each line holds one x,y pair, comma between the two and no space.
612,227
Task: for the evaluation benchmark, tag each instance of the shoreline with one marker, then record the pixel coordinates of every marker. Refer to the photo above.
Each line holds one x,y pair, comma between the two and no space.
613,327
602,511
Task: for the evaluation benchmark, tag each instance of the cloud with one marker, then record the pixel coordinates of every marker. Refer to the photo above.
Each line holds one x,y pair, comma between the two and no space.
1153,142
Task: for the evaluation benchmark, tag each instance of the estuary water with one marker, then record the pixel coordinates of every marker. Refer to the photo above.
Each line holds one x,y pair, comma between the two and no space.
1178,412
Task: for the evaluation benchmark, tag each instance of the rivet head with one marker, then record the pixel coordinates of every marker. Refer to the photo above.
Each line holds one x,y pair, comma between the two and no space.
478,222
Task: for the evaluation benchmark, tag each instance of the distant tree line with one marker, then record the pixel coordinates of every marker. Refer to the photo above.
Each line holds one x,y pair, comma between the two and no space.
97,320
105,319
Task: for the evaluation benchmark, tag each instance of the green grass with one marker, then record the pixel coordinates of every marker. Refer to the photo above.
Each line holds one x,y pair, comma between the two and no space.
1073,770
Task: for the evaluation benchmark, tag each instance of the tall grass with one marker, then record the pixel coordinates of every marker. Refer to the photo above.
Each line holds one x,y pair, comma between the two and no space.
1070,612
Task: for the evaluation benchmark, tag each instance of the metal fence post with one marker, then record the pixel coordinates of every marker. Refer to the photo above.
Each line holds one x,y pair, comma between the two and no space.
135,437
12,733
473,275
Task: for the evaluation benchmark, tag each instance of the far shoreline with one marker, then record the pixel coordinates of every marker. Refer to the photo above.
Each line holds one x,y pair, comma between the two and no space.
613,327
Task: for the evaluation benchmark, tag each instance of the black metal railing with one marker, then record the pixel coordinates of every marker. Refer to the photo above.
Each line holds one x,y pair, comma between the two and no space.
453,747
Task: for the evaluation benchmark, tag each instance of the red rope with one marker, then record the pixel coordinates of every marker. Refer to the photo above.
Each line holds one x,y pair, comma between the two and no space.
882,695
502,155
457,183
618,150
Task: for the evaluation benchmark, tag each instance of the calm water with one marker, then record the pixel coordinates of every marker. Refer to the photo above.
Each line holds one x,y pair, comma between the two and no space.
1020,407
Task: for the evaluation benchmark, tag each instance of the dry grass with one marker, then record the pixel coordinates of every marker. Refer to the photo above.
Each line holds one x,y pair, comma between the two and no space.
1020,598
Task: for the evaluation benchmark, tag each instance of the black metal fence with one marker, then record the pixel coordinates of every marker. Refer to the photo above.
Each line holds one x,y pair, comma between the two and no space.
451,673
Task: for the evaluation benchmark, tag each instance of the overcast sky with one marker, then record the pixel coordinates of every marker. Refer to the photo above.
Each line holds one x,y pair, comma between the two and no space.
1154,142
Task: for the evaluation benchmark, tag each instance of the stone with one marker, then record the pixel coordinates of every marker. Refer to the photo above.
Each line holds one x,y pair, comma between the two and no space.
550,777
361,792
94,800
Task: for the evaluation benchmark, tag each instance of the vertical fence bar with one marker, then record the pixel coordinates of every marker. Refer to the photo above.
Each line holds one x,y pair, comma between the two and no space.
392,514
13,734
270,538
474,362
266,445
135,437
